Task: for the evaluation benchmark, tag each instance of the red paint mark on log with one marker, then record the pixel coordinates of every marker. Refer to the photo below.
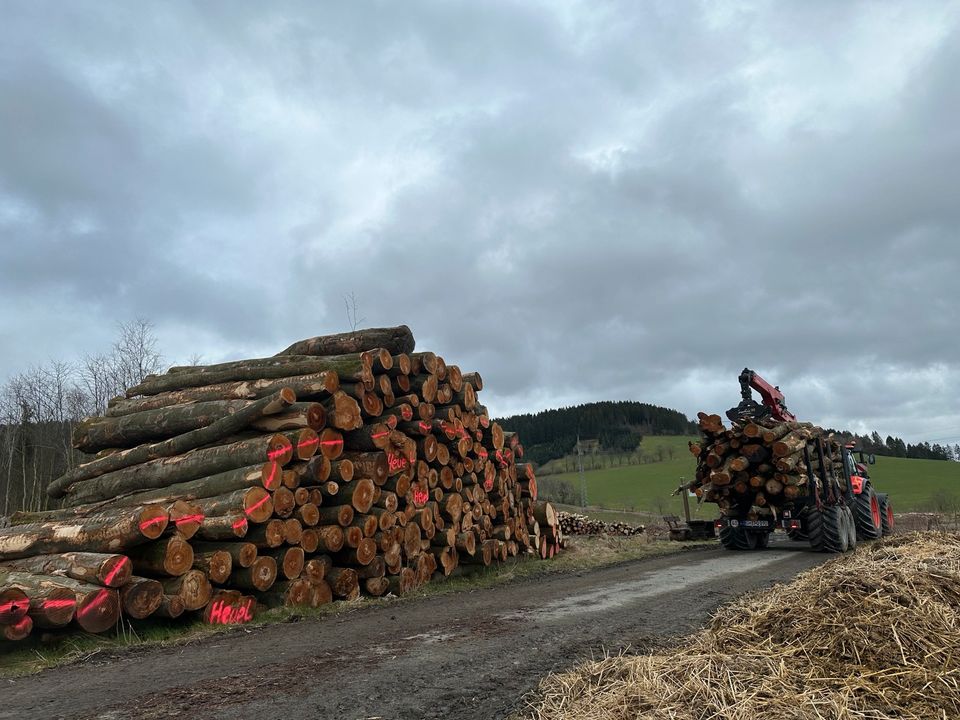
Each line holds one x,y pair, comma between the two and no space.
420,497
332,442
189,519
97,601
274,454
58,604
14,606
257,505
239,523
155,521
120,566
303,444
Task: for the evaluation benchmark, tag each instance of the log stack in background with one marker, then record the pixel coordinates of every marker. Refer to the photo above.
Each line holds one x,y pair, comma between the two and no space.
577,524
758,466
345,465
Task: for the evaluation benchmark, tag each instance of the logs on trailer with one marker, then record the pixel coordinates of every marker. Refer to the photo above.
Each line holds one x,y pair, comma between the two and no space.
758,466
344,465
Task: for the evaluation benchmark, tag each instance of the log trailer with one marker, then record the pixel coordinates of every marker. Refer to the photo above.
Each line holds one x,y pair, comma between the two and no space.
840,505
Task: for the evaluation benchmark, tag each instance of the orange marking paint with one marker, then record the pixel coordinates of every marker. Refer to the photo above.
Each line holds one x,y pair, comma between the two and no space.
332,442
273,474
239,523
189,519
274,454
258,504
97,601
307,443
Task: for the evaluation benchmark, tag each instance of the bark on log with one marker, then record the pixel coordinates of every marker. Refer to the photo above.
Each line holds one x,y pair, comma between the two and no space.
97,433
108,570
109,531
192,465
300,415
48,603
176,445
317,386
331,538
141,597
343,581
343,412
223,527
347,367
395,340
242,554
358,493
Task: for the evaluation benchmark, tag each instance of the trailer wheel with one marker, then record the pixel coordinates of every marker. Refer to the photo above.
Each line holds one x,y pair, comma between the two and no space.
866,512
826,529
886,514
737,539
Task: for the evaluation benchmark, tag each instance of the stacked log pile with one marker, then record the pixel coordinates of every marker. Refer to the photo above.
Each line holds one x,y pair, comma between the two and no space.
577,524
759,466
345,465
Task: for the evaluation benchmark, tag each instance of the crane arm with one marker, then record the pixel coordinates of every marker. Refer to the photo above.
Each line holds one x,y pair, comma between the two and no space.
771,396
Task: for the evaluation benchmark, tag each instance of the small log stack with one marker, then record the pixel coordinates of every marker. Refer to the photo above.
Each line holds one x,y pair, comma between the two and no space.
346,465
577,524
758,467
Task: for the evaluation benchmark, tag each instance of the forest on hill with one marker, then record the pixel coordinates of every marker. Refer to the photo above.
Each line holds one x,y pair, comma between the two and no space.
618,426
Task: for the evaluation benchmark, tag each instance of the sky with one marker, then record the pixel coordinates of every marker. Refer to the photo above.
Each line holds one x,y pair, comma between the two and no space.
580,199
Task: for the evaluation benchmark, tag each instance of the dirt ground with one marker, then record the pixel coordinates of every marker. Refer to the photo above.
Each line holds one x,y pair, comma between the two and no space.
469,655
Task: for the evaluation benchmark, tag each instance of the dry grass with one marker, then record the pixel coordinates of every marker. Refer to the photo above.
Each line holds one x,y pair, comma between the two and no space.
872,636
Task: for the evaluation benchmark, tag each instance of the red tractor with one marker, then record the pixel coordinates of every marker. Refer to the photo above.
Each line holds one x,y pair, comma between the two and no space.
841,506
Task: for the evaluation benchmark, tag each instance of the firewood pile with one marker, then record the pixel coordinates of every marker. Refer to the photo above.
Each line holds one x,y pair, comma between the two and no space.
577,524
760,465
345,465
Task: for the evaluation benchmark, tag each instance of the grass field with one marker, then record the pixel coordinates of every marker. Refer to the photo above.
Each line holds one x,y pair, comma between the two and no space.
914,485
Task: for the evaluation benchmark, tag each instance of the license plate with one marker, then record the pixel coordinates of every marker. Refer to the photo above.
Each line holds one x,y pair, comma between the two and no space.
754,524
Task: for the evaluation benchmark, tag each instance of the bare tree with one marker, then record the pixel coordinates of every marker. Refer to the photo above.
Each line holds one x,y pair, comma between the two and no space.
135,353
350,302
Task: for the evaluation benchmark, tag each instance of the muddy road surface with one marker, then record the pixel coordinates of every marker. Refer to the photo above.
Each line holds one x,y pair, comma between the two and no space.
463,656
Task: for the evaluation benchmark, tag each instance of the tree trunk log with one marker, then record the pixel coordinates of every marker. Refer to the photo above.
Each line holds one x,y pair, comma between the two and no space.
192,587
108,570
204,462
49,603
97,433
109,531
307,387
259,576
229,607
223,527
178,445
171,556
217,564
141,597
394,340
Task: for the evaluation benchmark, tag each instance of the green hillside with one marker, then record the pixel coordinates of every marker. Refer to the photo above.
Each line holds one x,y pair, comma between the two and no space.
923,485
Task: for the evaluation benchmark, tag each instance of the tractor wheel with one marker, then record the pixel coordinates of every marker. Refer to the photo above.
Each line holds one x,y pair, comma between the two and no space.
851,526
737,539
826,529
886,513
866,511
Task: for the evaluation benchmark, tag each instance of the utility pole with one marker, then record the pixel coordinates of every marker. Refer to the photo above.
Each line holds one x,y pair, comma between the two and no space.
583,480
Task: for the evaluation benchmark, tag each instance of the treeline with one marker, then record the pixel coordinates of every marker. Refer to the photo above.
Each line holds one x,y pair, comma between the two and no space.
896,447
38,409
619,426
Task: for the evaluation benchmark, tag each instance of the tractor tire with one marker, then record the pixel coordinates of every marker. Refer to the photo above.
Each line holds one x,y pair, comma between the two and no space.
737,539
826,530
866,512
886,514
851,528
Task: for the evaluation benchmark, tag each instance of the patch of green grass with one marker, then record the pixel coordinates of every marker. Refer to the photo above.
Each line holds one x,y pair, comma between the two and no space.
918,485
582,553
652,449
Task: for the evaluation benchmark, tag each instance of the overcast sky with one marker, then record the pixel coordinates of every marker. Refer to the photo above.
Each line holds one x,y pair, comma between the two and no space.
582,200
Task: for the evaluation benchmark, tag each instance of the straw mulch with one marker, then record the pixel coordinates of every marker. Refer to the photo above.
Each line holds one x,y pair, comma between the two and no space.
874,635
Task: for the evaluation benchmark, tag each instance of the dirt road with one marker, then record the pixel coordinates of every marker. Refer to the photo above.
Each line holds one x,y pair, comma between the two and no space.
470,655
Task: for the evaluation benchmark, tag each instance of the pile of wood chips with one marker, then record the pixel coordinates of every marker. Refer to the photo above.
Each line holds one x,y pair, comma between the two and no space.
870,636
